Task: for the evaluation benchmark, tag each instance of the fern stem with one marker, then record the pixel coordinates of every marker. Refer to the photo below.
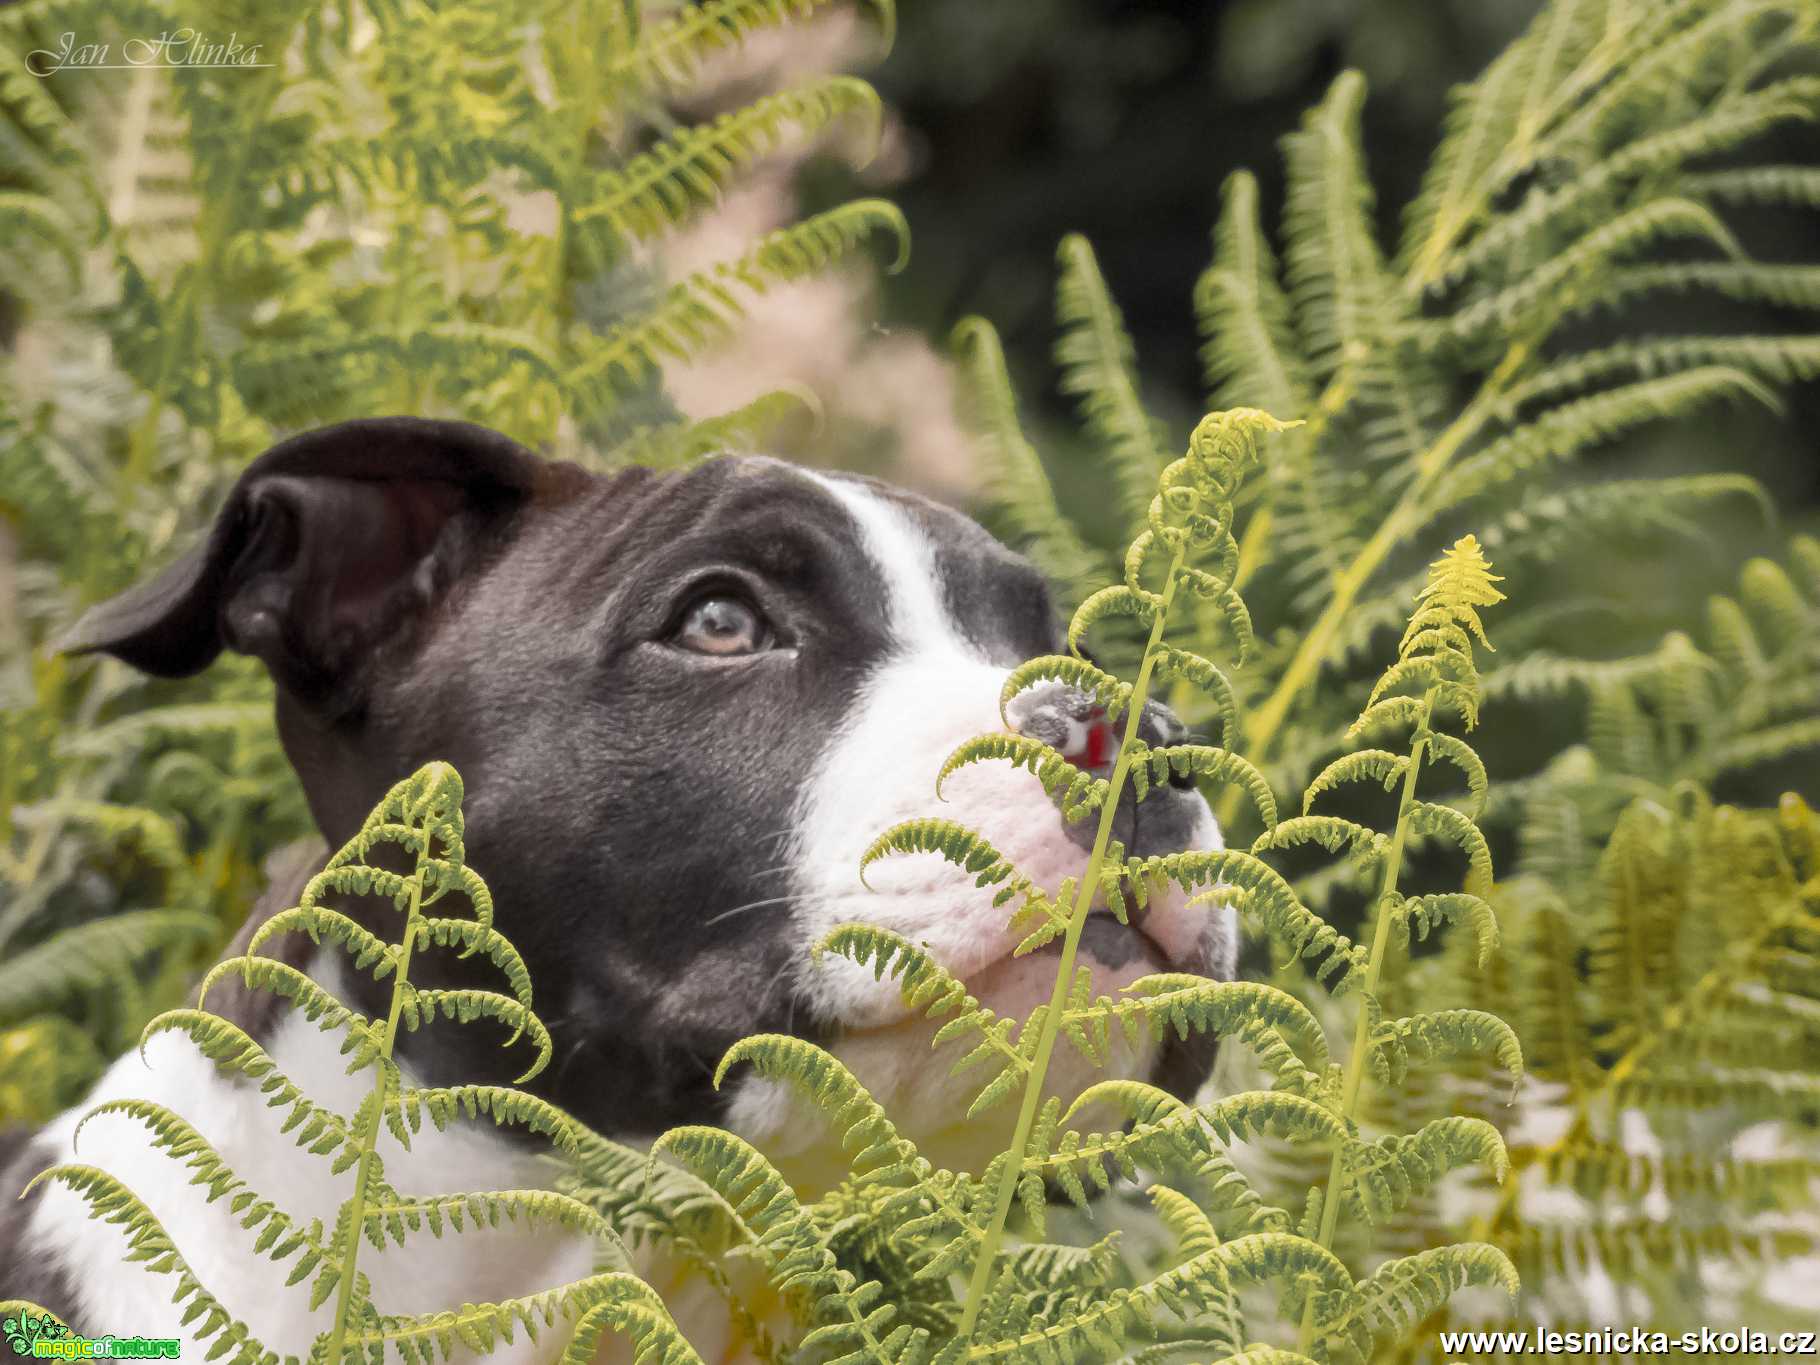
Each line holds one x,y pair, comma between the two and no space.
369,1134
1064,976
1356,1063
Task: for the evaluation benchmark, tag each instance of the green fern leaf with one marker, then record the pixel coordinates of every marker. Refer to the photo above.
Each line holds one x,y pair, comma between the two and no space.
1097,362
1023,499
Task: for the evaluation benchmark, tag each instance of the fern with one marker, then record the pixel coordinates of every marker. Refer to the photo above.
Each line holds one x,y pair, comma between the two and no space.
1437,380
703,307
658,189
422,816
670,53
1605,163
93,956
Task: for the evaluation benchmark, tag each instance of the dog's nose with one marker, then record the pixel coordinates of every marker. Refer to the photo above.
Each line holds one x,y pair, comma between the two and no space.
1073,722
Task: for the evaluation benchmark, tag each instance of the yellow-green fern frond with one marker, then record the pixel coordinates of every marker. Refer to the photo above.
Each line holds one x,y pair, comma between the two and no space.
1189,1004
280,1236
864,1130
1109,692
1081,792
1400,1293
972,854
1155,767
633,1309
1395,1043
1250,353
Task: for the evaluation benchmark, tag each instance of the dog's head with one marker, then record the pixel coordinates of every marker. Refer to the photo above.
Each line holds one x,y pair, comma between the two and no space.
682,705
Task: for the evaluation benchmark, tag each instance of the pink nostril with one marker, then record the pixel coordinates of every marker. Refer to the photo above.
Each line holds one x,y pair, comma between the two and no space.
1098,743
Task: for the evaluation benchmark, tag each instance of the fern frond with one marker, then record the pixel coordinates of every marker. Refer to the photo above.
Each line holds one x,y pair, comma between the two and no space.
280,1237
1193,1231
1206,762
1289,924
1397,1042
1400,1293
1424,912
148,1244
667,56
1081,793
972,854
234,1052
660,188
1023,499
631,1307
1207,677
1565,432
1097,363
1249,350
1164,1127
1774,359
1260,1257
395,1217
752,428
1364,765
1387,1173
879,1152
703,308
1544,214
91,956
465,1006
1447,823
503,1105
1785,286
1197,1288
307,995
784,1238
1483,118
1332,832
1192,1004
1107,691
1337,280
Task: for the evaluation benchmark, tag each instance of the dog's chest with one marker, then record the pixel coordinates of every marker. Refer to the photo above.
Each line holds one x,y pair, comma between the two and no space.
427,1274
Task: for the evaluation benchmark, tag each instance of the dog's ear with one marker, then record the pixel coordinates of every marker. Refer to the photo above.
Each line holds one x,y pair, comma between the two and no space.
331,543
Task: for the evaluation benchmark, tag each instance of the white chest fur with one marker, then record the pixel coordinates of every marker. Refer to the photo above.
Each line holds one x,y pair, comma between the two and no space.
428,1274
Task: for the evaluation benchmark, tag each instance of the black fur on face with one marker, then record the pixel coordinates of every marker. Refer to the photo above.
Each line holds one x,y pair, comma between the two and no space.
653,687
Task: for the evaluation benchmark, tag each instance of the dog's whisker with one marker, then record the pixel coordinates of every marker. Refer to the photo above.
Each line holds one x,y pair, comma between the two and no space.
749,905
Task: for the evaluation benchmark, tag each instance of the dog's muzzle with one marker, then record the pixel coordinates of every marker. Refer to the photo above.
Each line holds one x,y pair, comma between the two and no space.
1073,723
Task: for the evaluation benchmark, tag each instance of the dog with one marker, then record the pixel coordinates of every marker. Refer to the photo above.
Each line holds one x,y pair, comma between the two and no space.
682,705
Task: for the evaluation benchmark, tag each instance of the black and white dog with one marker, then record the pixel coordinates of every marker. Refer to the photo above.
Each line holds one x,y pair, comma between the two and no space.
682,706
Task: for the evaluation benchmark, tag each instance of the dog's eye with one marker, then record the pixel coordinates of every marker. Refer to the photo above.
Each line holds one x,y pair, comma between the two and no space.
722,625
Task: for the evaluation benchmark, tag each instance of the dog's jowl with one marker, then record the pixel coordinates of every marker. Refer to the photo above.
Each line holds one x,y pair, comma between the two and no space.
682,706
